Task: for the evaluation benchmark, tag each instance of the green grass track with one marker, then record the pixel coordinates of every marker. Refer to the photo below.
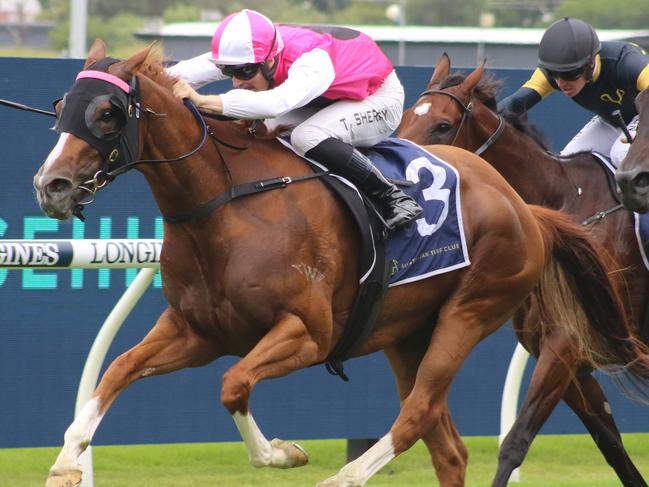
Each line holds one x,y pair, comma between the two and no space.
554,461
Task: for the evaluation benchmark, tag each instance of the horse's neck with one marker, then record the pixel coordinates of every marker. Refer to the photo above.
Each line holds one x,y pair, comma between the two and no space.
538,176
172,132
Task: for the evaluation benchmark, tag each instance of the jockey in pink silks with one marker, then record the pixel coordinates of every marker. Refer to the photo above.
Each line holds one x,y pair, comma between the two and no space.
331,86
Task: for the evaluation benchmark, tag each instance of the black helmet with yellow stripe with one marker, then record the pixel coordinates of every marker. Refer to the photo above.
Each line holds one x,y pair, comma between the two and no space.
567,45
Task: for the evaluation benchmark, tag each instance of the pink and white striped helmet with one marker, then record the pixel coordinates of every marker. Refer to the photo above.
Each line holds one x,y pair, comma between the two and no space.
245,37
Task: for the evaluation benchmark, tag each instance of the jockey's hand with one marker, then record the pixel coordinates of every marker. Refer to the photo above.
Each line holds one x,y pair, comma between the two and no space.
206,103
183,90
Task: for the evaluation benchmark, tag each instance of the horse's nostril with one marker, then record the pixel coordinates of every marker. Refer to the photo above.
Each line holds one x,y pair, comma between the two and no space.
58,186
641,181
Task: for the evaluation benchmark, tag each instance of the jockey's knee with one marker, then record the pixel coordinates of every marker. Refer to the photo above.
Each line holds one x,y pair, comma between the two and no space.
305,137
619,151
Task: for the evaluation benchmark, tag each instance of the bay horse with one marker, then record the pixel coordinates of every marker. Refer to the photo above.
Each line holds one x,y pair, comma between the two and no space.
461,110
231,274
633,174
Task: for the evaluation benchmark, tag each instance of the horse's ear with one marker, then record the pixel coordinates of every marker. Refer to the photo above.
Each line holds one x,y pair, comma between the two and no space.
126,69
97,52
471,81
442,68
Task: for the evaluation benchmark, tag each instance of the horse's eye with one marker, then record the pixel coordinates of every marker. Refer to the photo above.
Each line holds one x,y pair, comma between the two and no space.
443,127
107,115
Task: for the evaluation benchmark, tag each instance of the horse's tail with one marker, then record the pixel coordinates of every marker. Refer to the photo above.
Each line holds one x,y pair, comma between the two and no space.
578,292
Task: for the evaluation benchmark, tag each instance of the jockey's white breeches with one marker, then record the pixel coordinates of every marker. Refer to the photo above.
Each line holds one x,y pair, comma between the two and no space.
599,135
361,123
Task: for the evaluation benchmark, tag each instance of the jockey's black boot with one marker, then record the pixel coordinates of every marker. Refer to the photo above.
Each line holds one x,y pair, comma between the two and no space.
396,207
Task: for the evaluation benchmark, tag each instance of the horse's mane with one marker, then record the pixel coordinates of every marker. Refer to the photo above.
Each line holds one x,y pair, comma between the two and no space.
486,91
154,69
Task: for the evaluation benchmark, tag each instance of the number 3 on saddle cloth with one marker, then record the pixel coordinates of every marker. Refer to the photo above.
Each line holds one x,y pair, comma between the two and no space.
433,244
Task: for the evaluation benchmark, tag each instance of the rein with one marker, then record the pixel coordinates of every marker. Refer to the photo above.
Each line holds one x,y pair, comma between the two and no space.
130,165
466,111
129,138
600,215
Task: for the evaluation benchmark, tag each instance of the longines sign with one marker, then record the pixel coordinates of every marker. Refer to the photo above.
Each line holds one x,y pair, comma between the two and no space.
88,254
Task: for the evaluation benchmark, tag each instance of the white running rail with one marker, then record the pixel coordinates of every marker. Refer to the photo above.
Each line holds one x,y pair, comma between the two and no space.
90,254
511,392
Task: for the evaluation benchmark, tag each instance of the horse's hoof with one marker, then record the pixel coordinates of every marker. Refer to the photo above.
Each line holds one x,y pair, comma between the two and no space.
330,482
344,478
335,482
64,478
294,455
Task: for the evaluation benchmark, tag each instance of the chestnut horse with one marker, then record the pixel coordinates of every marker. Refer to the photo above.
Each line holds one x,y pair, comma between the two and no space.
633,174
232,282
461,110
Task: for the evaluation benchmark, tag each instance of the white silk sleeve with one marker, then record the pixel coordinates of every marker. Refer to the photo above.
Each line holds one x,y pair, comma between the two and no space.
308,77
197,71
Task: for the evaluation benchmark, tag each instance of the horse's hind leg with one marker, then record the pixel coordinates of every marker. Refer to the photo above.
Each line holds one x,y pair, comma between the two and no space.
590,404
447,451
554,371
169,346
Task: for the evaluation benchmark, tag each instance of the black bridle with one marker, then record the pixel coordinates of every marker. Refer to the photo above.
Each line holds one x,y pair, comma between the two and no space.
466,112
119,151
105,176
126,145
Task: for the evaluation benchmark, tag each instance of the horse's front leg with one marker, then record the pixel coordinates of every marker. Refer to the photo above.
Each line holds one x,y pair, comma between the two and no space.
287,347
169,346
425,407
448,454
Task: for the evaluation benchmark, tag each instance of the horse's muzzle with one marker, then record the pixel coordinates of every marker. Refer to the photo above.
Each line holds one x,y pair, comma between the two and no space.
56,196
633,189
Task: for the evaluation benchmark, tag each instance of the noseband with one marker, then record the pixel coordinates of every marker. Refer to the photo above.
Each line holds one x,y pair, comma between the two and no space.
466,111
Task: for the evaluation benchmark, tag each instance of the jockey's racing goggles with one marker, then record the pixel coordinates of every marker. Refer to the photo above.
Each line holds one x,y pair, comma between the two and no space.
243,72
571,75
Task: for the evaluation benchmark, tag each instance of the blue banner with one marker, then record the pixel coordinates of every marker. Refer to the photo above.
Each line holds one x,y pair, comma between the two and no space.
49,318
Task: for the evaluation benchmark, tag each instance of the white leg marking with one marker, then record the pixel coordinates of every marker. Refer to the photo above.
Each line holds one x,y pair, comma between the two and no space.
56,151
263,453
356,473
421,109
259,449
78,436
